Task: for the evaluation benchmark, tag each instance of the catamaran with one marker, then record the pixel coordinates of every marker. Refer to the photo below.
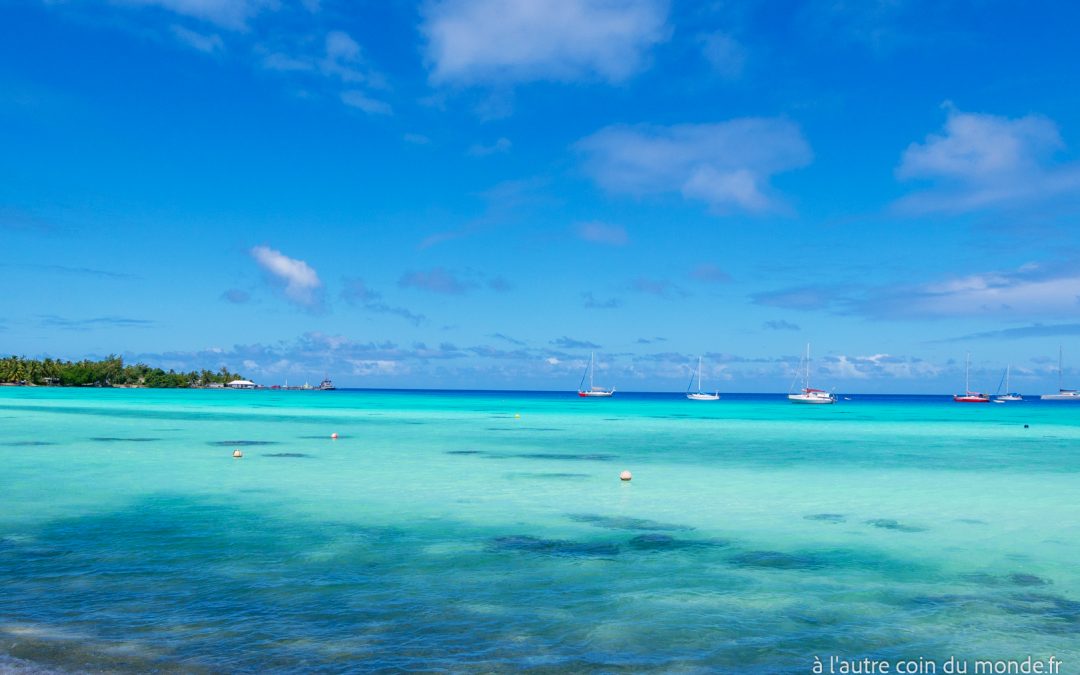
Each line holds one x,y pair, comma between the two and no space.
700,395
592,391
810,395
1063,394
969,396
1008,395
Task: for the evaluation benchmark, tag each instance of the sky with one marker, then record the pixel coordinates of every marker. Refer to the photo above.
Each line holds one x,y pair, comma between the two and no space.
478,194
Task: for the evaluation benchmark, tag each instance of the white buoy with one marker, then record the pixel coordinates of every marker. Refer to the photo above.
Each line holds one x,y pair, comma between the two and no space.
625,476
334,435
237,454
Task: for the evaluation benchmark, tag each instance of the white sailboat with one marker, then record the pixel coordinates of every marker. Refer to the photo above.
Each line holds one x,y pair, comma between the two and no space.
592,391
810,395
1063,394
969,396
700,395
1008,395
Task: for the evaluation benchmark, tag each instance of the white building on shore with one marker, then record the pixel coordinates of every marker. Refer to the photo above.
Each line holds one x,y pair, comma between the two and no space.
241,384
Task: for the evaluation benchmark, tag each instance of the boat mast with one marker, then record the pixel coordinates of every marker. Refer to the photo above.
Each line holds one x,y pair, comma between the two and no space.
806,383
1007,368
967,372
592,357
1060,381
699,374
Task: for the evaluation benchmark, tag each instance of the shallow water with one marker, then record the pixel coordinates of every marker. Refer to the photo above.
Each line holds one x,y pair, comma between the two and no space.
442,532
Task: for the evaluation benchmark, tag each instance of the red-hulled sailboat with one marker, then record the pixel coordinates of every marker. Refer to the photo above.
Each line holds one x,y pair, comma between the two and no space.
969,396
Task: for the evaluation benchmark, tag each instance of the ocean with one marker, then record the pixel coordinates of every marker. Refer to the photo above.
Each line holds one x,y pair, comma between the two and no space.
490,532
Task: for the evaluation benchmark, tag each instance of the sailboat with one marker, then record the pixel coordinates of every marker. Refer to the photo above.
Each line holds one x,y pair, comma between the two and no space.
700,395
808,394
592,391
969,396
1008,395
1063,394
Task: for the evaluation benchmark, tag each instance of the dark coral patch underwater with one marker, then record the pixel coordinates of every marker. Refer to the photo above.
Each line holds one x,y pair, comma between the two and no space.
826,517
654,541
554,547
779,560
625,522
1026,579
890,524
588,457
117,439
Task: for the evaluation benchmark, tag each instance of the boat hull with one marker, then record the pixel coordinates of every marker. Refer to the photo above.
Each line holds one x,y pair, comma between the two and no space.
971,399
1060,397
595,394
703,397
810,399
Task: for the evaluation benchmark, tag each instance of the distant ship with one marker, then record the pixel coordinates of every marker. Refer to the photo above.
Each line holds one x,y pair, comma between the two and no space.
810,395
1063,394
700,395
592,391
1008,395
969,396
326,385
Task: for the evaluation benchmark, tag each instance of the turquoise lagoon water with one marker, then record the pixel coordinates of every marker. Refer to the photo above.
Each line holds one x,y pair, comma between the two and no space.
443,532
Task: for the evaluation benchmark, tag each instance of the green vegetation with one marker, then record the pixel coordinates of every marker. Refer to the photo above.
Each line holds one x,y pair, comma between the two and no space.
109,372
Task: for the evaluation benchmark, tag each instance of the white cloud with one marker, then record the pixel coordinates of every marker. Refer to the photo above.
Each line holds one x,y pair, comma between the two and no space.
300,282
983,160
1030,291
340,57
500,146
602,233
358,99
376,367
207,44
437,280
232,14
340,60
710,273
876,366
507,41
287,64
726,165
724,54
344,58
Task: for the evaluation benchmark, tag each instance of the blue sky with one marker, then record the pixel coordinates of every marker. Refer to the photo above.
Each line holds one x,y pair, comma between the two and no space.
476,194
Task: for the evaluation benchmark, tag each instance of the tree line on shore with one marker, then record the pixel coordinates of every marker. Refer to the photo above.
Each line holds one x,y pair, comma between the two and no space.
108,372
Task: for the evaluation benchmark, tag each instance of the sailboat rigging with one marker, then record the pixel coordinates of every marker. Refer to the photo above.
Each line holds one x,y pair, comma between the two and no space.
1008,395
969,396
699,395
1063,394
592,391
810,395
